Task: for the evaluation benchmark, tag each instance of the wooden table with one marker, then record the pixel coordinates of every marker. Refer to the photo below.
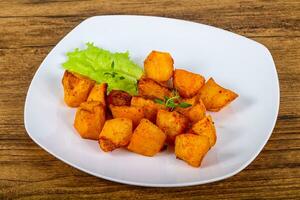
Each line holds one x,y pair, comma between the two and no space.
30,29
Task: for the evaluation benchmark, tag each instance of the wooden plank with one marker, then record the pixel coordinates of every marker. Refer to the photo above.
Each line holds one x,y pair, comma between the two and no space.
23,32
30,29
240,17
191,9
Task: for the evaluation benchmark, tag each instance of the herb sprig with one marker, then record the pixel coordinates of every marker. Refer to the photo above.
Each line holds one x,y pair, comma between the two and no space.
172,102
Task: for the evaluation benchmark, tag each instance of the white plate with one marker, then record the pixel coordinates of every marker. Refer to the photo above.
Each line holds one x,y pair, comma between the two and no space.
236,62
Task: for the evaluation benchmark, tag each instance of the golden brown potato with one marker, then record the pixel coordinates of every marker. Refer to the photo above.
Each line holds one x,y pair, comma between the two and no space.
147,139
193,101
76,88
191,148
106,145
89,119
115,133
214,96
119,98
150,89
167,84
187,83
206,127
98,93
150,107
130,112
195,112
172,123
159,66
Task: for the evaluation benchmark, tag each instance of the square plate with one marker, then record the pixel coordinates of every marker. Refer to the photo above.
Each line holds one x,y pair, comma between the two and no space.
235,62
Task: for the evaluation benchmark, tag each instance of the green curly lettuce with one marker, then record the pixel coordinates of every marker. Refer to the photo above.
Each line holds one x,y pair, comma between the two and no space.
115,69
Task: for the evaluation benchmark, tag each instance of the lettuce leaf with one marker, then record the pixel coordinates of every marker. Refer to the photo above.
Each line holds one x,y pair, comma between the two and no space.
115,69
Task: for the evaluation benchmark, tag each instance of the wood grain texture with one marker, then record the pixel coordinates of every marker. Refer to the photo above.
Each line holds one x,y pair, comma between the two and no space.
30,29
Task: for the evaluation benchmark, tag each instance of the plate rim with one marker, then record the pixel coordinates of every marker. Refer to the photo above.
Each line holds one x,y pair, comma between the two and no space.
184,184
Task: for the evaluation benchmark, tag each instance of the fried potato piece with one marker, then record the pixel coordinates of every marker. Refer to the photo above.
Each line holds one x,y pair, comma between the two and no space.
119,98
150,89
206,127
216,97
130,112
195,112
115,133
193,101
159,66
98,93
167,84
76,88
106,145
89,119
172,123
147,139
150,107
191,148
187,83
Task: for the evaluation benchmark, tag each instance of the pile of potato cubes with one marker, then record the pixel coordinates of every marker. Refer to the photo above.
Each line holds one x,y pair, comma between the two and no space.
144,124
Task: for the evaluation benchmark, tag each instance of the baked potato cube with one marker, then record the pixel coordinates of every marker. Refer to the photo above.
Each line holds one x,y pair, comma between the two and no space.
196,112
206,127
98,93
141,102
89,119
150,107
172,123
76,88
167,84
106,145
129,112
115,133
147,139
214,96
191,148
159,66
187,83
193,100
119,98
150,89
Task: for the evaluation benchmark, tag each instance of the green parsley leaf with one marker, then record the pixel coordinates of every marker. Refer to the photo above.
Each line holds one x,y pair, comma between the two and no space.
166,98
184,105
159,101
172,102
